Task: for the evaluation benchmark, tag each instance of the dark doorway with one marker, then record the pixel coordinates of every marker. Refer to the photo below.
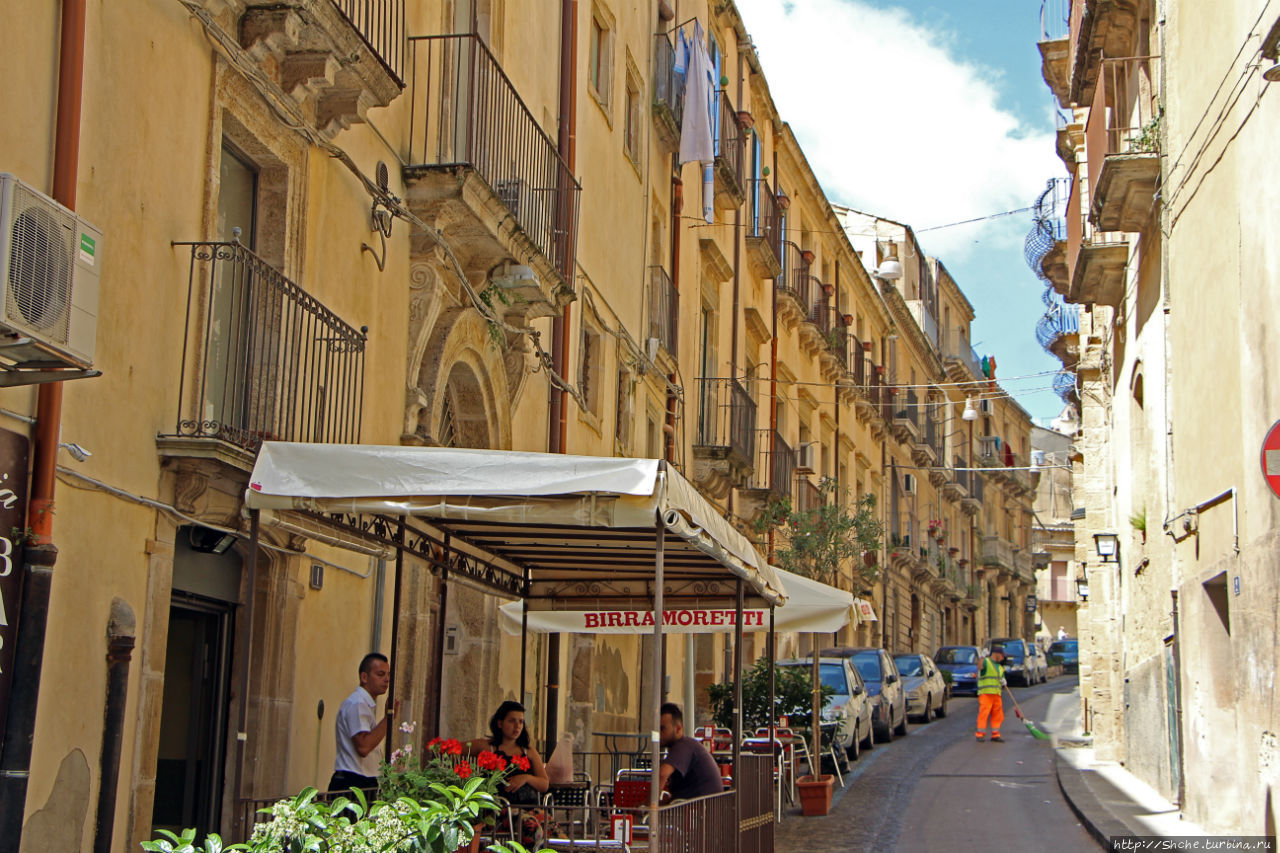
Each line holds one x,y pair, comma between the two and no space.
193,720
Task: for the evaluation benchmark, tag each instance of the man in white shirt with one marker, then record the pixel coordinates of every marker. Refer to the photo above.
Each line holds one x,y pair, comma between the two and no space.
358,739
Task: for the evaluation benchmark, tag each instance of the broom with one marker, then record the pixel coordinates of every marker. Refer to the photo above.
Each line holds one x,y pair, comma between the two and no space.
1017,711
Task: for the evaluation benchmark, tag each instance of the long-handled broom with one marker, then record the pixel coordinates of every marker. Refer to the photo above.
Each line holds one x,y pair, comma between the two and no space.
1031,727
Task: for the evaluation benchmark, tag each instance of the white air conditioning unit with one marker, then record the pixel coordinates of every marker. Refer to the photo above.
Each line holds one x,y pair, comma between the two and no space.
805,458
50,260
986,406
909,484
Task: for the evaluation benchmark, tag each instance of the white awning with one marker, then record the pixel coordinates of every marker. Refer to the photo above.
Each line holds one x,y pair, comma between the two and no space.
811,606
579,526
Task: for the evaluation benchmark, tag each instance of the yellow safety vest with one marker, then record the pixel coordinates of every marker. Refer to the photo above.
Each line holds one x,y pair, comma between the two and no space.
990,674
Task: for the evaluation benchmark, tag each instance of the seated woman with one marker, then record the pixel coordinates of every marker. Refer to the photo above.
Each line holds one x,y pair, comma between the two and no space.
509,738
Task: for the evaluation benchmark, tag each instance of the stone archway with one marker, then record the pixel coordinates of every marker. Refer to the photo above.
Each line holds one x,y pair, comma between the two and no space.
461,397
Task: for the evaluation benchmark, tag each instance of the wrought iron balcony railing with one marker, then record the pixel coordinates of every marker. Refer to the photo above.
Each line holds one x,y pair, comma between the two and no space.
908,411
808,495
668,86
795,277
766,216
820,307
775,467
727,417
664,310
857,361
729,147
272,363
381,24
471,115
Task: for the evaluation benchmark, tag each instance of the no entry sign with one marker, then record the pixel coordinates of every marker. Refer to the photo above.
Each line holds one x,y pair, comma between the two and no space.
1271,458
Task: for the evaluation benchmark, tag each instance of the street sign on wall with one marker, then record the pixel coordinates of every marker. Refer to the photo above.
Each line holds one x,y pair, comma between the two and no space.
13,514
1271,458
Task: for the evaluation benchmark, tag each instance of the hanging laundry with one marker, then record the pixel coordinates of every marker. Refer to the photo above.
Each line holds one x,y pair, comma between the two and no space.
986,367
681,62
696,143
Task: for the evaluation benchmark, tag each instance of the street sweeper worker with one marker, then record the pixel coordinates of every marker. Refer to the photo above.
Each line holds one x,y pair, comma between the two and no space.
990,683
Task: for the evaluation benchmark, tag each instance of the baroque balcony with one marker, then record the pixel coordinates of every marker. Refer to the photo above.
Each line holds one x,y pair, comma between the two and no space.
478,163
817,325
764,236
956,486
668,93
924,450
775,471
336,59
730,144
997,553
794,285
269,362
960,360
906,419
972,504
1055,48
1099,28
664,311
724,453
1122,141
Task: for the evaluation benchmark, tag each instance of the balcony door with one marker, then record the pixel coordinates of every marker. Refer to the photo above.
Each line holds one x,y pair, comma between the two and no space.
224,406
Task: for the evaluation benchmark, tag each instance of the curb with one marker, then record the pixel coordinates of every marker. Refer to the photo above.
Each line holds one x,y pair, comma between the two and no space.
1093,815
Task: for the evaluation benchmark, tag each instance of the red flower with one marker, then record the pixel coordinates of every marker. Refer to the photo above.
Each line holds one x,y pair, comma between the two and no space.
451,747
463,769
521,762
433,743
500,764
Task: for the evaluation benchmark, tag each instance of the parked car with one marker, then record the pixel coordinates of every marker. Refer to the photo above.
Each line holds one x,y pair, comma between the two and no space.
1020,664
962,663
849,703
1040,661
924,686
884,685
1068,652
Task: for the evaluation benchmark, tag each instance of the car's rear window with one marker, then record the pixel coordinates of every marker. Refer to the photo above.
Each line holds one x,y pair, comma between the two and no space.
868,665
956,656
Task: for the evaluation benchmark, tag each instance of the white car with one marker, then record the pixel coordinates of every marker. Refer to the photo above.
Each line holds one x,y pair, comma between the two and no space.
849,704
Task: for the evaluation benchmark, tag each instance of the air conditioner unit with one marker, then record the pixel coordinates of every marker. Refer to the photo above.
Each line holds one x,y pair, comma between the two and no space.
986,406
805,458
909,484
50,260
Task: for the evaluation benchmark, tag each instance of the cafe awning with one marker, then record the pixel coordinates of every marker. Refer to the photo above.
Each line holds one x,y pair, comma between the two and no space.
811,606
574,527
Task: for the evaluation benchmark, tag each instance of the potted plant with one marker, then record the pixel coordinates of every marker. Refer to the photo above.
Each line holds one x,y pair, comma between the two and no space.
807,256
815,794
828,290
745,120
847,318
866,346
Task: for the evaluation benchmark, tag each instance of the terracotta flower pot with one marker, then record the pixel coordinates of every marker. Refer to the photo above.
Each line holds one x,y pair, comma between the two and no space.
866,346
815,794
745,120
829,290
807,255
848,319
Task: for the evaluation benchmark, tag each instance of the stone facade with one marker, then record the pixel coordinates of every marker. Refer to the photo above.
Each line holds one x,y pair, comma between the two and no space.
1174,395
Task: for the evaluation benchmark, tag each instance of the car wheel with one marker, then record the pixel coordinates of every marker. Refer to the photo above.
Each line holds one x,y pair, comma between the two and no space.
902,729
942,709
870,740
884,734
927,716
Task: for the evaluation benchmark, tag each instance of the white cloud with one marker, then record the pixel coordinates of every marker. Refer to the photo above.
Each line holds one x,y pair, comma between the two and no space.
894,123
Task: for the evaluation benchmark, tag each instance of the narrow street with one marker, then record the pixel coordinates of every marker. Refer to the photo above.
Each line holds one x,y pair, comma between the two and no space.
937,789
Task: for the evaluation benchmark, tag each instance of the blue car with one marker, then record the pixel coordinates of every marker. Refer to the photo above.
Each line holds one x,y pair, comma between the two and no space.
962,663
1068,652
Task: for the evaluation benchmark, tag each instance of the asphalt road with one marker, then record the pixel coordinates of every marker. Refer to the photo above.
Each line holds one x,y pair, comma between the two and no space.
937,789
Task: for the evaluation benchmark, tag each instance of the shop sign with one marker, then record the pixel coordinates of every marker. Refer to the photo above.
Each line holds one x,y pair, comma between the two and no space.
14,450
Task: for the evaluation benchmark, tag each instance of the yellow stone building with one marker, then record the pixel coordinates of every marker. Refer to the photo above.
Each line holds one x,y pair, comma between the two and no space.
348,221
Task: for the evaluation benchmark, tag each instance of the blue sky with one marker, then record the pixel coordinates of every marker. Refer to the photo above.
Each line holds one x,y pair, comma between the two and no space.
934,112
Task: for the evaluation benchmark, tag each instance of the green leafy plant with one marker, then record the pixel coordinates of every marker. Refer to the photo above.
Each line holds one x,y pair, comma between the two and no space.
1138,520
492,293
793,696
303,824
417,773
820,540
1148,139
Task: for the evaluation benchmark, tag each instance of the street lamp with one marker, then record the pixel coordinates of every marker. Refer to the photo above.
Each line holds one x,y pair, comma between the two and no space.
970,413
1082,588
1107,546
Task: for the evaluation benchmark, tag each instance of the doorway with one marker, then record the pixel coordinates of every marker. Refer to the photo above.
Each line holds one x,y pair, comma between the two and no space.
193,719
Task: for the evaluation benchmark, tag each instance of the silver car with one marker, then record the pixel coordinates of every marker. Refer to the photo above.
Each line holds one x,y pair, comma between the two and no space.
924,685
849,705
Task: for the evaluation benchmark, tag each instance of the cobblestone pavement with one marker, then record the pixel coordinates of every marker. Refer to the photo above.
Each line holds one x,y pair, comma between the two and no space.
938,790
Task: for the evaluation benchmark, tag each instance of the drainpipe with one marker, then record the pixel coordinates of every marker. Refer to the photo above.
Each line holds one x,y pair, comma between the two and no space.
558,427
121,630
677,207
38,559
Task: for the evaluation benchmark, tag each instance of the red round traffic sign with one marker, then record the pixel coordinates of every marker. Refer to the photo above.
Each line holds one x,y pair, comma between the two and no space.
1271,458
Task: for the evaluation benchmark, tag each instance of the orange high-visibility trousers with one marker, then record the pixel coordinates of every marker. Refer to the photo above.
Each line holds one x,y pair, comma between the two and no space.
989,705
